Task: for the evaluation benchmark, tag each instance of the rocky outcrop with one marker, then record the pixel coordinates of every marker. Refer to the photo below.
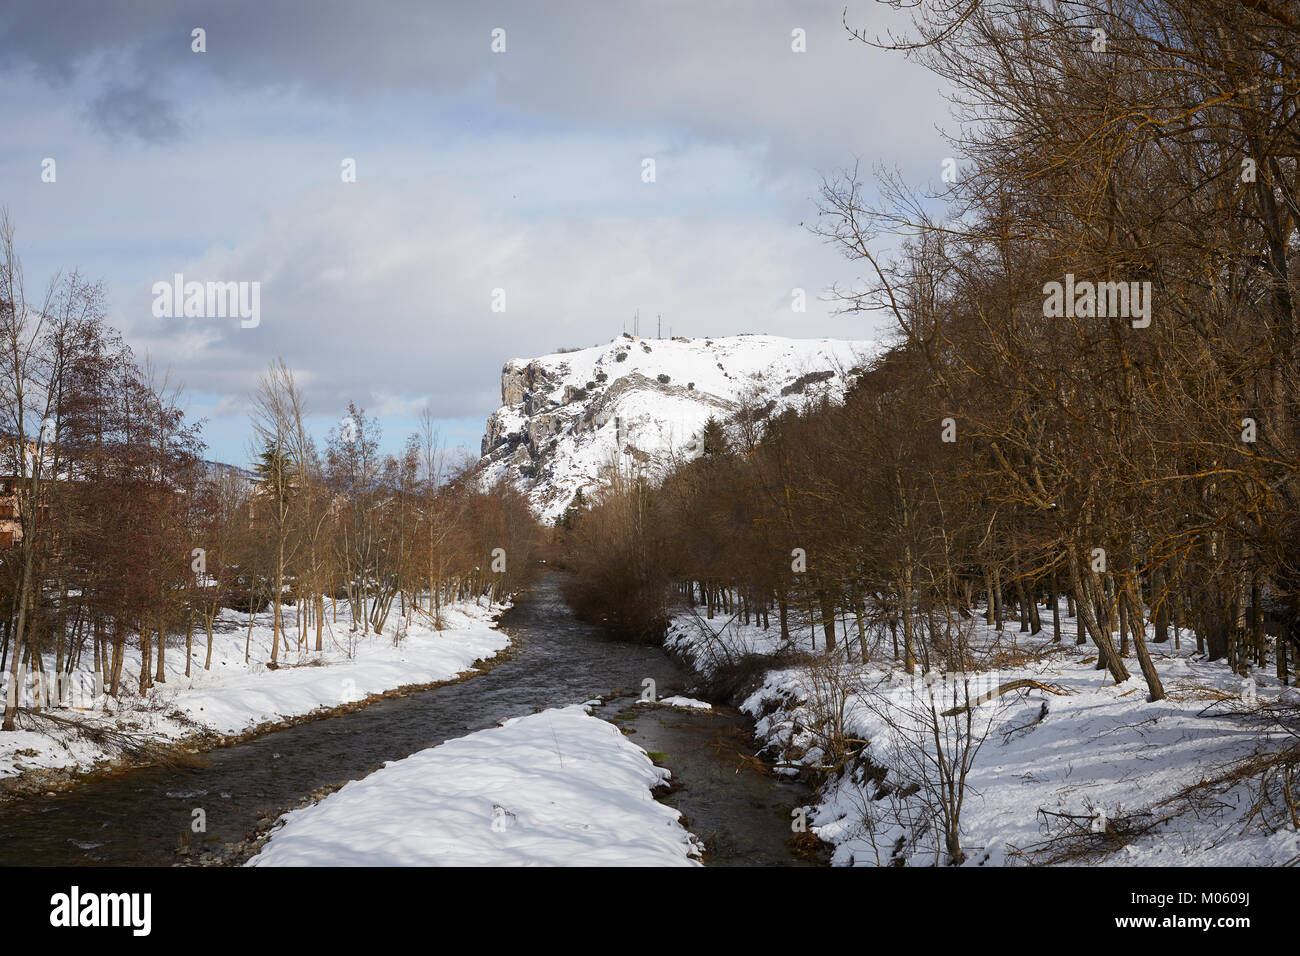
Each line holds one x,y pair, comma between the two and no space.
641,402
543,427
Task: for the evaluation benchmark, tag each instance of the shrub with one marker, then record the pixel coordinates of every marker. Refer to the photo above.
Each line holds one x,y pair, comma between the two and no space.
803,381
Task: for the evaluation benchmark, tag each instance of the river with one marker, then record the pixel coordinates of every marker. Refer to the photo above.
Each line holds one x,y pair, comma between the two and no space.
139,816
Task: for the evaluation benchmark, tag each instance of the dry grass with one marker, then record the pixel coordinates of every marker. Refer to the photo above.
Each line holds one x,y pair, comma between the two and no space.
1271,778
1076,838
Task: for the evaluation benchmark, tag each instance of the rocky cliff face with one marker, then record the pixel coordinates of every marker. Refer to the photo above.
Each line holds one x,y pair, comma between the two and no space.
563,417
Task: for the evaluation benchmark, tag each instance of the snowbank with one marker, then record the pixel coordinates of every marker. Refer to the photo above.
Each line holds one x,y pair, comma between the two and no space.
234,697
556,788
687,703
1049,763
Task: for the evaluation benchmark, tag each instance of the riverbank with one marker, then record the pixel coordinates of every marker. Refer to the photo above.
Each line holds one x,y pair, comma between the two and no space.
233,701
1068,769
223,806
735,809
738,808
560,787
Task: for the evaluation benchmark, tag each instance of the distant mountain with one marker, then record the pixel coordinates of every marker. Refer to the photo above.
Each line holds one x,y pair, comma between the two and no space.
566,415
216,469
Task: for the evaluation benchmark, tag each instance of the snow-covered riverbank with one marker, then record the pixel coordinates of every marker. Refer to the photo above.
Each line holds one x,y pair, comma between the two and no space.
1094,766
559,787
234,697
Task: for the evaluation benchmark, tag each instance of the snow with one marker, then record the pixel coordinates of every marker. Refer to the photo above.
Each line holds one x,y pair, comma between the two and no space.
689,703
234,697
556,788
712,644
659,420
1099,751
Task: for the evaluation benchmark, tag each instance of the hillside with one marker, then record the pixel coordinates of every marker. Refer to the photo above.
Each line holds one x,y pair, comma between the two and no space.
566,415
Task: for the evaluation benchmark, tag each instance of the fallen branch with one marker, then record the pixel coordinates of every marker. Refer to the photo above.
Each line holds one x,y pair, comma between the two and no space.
109,738
1006,688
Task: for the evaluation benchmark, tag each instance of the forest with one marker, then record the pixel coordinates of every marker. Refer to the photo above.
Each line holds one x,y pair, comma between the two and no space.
1003,452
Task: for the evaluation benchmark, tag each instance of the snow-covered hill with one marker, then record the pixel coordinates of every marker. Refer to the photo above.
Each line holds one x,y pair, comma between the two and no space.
565,416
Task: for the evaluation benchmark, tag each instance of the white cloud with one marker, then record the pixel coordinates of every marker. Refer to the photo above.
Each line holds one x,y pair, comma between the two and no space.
385,296
476,171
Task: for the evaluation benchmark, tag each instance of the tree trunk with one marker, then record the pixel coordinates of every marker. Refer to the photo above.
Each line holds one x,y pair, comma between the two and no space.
1106,656
828,617
1157,690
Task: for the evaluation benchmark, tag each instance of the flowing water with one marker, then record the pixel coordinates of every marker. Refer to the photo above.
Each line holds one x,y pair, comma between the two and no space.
139,816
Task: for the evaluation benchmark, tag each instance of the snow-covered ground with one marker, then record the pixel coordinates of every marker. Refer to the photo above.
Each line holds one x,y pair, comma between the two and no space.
566,416
1097,752
556,788
234,696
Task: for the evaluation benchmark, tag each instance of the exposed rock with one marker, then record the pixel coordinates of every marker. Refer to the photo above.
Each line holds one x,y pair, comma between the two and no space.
565,417
543,427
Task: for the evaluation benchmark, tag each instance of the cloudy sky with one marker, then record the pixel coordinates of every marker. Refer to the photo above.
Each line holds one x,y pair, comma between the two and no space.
476,170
